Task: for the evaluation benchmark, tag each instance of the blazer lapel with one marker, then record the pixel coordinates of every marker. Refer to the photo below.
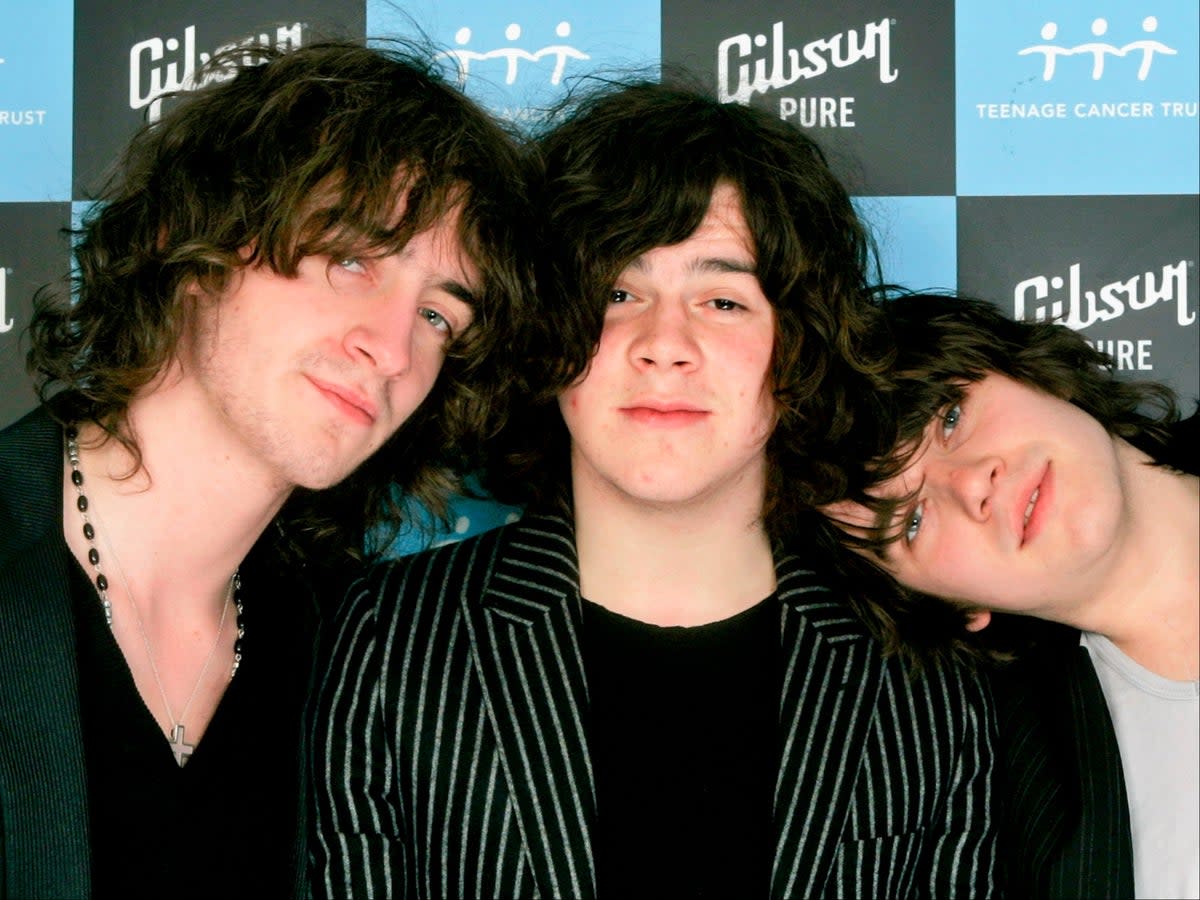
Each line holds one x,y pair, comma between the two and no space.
831,680
525,639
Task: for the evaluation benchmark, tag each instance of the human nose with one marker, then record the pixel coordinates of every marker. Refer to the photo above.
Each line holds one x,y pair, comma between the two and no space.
664,338
382,336
973,484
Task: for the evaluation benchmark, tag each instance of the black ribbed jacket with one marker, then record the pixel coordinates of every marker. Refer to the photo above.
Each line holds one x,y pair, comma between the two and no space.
44,849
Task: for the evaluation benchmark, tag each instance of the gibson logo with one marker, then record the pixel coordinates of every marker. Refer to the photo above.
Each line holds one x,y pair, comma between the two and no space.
1041,298
737,54
150,79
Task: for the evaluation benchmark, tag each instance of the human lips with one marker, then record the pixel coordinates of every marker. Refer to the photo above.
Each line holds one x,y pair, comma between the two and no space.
1036,499
667,413
351,402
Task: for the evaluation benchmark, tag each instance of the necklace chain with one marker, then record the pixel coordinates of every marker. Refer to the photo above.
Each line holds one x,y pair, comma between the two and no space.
179,746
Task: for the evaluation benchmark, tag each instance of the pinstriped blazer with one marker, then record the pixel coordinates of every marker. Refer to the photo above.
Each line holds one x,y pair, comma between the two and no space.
450,740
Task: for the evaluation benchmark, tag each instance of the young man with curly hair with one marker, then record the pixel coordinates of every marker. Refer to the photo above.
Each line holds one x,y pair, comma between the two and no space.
1026,490
642,688
289,298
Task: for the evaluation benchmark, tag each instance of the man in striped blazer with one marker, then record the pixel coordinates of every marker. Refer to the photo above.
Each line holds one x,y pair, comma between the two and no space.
643,687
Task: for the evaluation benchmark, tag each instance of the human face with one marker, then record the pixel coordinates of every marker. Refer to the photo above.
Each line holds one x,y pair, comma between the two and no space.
311,375
676,406
1020,503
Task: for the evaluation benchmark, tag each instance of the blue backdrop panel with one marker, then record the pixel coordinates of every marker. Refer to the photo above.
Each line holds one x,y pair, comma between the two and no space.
518,57
1066,97
916,238
35,100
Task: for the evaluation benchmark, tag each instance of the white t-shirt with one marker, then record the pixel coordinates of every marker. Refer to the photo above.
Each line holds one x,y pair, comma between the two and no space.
1157,722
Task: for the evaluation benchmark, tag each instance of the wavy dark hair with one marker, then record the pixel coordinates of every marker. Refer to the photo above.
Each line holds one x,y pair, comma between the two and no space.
942,344
633,166
280,157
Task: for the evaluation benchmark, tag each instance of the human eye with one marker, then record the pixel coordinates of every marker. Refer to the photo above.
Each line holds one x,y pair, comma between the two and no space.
352,264
912,523
725,304
950,420
435,318
619,296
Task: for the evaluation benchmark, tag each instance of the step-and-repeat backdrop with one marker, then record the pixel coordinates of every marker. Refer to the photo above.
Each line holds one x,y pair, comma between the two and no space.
1044,154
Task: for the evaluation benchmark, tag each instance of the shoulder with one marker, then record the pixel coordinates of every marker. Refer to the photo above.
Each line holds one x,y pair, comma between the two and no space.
1041,691
1042,653
808,595
430,570
30,480
35,431
947,687
418,590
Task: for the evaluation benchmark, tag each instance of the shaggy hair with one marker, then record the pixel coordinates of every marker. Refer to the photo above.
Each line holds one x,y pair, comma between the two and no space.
281,157
633,167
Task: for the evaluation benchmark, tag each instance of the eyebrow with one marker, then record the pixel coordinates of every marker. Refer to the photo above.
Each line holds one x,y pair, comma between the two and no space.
709,264
460,291
884,518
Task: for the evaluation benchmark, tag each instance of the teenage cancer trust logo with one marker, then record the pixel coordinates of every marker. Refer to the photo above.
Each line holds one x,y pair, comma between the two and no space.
518,69
1052,102
1118,66
1143,49
558,51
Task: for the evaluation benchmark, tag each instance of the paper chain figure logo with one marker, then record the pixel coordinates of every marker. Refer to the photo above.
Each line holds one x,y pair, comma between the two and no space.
1099,51
513,55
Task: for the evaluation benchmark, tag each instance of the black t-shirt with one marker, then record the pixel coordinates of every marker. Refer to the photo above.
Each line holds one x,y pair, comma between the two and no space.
683,737
226,823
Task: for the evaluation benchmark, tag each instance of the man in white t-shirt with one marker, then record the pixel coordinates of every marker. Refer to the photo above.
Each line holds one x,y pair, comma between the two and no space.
1025,479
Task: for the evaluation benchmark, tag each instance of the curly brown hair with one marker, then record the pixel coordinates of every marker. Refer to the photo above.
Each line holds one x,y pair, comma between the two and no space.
942,344
633,167
280,157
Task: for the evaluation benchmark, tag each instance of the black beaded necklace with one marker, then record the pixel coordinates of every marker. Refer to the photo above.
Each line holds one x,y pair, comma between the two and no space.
101,580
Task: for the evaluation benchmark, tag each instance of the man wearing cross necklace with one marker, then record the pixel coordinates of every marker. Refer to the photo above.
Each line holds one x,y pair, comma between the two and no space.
289,300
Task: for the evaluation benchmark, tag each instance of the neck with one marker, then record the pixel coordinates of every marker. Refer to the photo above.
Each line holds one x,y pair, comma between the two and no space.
1147,605
182,523
673,565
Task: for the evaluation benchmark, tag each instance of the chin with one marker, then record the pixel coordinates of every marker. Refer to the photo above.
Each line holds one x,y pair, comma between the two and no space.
666,495
319,475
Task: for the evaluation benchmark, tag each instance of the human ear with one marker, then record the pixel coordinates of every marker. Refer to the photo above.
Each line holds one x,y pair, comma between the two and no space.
978,619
